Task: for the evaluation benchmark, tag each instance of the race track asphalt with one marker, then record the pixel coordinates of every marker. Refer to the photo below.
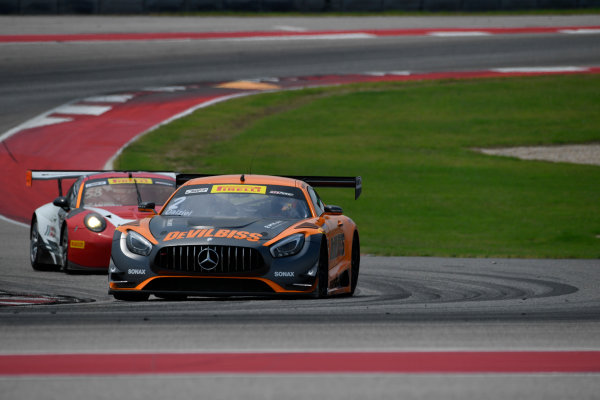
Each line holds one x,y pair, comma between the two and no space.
402,304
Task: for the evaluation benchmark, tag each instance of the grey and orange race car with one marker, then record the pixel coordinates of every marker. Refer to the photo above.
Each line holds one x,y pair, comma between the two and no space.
239,235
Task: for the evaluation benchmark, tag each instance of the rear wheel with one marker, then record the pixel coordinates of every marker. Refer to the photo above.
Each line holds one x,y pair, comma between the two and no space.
35,251
355,262
64,249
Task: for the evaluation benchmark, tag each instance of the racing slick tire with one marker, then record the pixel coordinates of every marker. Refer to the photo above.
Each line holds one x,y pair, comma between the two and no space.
35,250
129,296
355,263
323,273
64,249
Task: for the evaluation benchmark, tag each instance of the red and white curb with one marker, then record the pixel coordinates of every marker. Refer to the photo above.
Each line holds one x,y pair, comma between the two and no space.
298,34
435,362
12,299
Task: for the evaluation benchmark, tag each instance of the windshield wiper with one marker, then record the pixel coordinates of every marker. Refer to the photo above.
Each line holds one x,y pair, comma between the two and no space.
137,189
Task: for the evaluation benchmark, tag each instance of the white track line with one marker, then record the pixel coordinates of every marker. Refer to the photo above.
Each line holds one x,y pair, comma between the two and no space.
582,31
333,36
78,109
114,98
539,69
459,34
165,89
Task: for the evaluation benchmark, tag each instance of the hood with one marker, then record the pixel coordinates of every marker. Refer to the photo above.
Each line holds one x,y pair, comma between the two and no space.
180,230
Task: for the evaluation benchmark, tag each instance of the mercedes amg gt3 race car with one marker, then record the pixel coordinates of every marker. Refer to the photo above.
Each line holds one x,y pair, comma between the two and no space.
236,235
75,231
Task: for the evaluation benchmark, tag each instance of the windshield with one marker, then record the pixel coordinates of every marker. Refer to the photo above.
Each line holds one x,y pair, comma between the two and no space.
122,191
243,201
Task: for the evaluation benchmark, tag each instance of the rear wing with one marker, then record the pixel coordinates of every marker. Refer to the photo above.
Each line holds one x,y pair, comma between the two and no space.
59,175
314,181
333,181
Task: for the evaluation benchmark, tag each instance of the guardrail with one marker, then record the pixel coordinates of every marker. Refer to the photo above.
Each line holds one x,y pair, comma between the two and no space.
153,6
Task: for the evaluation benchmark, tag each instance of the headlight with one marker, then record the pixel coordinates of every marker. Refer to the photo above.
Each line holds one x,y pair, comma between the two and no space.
138,244
288,246
95,222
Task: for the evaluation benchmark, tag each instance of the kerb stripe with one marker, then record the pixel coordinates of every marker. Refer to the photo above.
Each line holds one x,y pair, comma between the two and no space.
302,363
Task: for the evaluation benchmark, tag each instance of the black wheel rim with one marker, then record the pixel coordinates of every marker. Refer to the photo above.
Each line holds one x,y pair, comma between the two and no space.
35,237
64,249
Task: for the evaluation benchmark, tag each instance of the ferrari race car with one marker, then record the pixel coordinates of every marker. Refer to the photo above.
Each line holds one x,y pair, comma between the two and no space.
75,231
239,235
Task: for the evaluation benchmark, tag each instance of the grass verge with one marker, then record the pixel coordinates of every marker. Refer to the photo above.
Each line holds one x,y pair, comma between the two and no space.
425,191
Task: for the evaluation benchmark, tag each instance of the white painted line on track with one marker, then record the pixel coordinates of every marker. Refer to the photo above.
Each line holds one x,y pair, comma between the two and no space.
288,28
114,98
41,120
539,69
165,89
400,73
459,34
333,36
77,109
386,73
580,31
44,121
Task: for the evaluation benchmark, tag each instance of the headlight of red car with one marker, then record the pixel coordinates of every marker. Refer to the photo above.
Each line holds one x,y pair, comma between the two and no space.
95,222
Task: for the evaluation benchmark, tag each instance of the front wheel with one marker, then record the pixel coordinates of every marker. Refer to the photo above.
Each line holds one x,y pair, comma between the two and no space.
323,273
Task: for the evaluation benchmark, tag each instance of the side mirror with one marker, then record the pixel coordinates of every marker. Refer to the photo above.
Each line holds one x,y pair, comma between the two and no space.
333,210
147,206
62,202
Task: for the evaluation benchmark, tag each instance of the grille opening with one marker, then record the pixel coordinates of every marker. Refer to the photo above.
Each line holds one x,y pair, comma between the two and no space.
209,285
209,260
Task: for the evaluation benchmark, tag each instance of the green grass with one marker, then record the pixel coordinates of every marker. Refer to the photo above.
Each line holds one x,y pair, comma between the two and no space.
425,191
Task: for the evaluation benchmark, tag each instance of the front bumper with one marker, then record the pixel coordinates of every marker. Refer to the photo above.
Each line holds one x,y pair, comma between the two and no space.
293,275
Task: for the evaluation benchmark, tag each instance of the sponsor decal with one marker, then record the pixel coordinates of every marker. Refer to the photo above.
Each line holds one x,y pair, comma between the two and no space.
239,189
174,206
118,181
336,246
273,225
278,193
50,231
193,191
77,244
92,184
284,274
136,271
181,213
213,233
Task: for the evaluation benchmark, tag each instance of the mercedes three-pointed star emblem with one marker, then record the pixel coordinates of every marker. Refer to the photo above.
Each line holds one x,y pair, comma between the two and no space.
208,259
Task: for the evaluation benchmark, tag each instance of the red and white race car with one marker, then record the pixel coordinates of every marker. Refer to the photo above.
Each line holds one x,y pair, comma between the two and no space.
75,231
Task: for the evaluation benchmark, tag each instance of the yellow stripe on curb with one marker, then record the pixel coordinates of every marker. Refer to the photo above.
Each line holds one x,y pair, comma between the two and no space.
248,85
